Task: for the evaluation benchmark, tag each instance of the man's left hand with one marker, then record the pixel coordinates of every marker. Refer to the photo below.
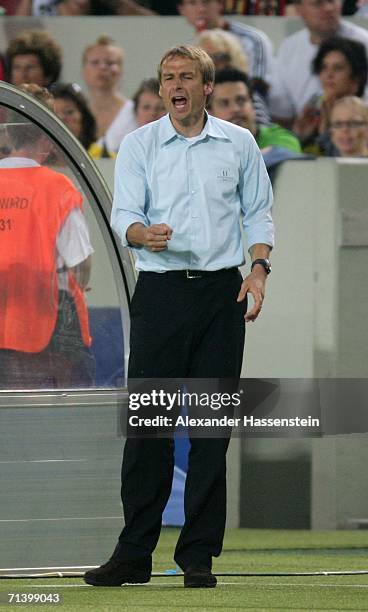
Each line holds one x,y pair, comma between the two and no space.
254,284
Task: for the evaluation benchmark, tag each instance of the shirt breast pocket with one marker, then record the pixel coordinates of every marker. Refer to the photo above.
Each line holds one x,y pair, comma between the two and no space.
225,179
225,174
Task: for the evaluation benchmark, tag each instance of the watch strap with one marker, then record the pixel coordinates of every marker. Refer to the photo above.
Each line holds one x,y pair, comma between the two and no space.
263,262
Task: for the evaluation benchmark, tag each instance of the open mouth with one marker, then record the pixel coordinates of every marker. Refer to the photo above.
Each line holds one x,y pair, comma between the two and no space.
180,102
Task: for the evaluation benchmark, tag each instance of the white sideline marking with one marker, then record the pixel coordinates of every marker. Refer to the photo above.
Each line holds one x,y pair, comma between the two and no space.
291,584
61,518
43,461
241,584
58,568
54,586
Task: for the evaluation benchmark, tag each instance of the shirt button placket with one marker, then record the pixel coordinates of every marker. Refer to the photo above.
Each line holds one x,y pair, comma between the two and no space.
192,192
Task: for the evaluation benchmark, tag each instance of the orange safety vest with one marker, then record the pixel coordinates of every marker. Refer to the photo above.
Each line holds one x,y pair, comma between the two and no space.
34,203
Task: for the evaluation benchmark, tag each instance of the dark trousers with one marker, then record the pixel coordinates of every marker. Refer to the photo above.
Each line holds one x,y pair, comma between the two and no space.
180,328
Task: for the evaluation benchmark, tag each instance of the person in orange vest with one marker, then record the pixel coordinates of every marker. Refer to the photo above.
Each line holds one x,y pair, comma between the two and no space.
45,262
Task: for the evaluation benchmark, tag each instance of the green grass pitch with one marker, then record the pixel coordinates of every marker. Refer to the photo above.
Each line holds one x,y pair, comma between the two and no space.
245,550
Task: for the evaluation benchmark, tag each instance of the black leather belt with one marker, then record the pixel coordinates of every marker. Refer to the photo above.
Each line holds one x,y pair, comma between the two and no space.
192,274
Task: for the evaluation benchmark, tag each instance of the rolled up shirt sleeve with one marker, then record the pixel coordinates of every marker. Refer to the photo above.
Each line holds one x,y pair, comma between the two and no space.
256,197
130,189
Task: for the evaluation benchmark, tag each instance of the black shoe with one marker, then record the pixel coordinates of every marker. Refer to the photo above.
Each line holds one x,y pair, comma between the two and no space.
116,572
199,577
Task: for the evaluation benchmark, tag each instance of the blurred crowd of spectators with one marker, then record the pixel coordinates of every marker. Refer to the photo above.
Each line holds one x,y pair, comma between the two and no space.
308,99
159,7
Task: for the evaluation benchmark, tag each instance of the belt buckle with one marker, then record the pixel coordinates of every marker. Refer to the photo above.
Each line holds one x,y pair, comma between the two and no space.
189,274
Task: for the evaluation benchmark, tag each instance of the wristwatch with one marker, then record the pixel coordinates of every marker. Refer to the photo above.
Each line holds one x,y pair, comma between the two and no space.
262,262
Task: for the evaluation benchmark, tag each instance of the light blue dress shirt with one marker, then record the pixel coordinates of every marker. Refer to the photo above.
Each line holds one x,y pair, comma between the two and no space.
200,187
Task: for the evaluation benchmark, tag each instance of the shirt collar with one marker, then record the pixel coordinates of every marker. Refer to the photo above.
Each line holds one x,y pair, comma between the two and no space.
211,128
18,162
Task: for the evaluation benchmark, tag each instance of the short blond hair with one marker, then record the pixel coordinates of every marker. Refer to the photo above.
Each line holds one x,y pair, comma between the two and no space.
103,41
206,65
352,102
225,42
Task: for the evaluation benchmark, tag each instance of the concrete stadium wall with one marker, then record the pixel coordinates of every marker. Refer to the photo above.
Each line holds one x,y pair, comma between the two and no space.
313,325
